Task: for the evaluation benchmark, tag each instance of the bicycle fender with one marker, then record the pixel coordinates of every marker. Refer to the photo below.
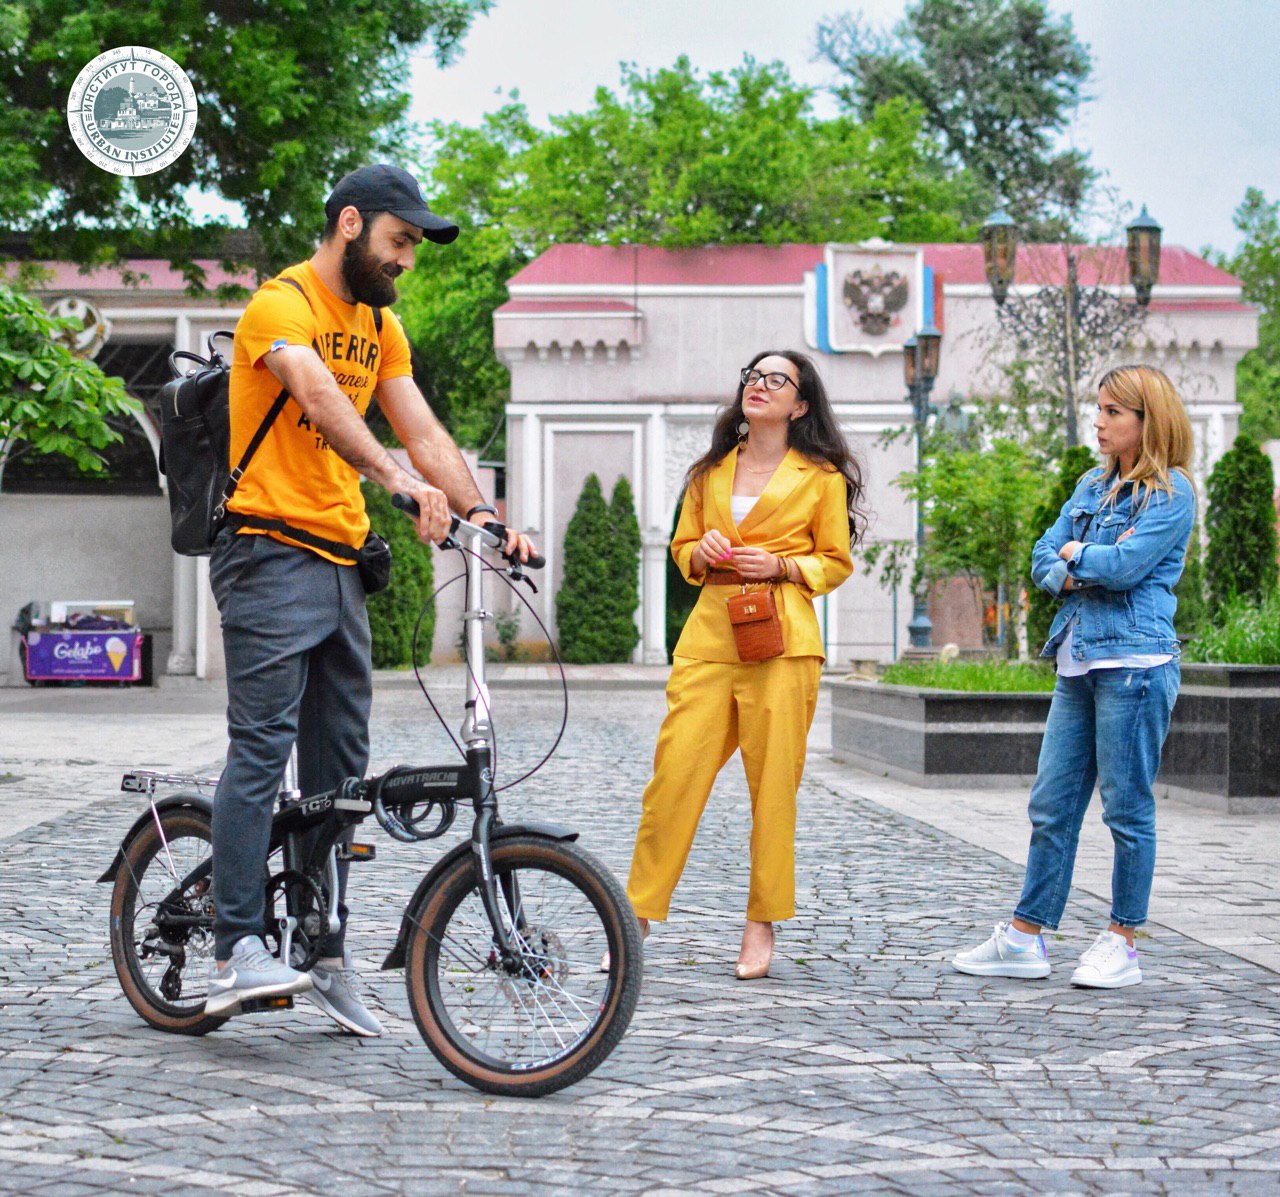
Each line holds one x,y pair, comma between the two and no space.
549,831
201,802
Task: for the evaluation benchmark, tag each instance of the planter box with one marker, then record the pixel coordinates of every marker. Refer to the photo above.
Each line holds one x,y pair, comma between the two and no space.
1223,751
935,737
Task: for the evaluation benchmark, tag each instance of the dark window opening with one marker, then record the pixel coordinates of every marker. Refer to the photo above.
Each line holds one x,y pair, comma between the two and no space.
130,462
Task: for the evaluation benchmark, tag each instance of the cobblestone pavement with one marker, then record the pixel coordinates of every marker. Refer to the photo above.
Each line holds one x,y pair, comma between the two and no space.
863,1064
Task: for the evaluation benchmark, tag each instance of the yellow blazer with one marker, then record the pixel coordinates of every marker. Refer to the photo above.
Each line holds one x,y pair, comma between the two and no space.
802,514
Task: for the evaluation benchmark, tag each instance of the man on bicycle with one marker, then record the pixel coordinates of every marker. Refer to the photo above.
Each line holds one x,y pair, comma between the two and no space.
295,632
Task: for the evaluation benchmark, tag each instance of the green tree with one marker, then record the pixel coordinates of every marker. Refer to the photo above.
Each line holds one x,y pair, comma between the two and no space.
50,400
624,551
1192,609
671,158
292,94
1041,606
596,605
1240,521
998,81
1257,264
978,508
394,613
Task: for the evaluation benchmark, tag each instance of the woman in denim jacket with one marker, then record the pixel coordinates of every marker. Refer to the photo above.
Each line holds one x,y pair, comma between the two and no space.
1113,555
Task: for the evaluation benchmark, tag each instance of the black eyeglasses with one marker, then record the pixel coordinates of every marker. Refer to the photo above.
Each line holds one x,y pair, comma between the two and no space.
772,382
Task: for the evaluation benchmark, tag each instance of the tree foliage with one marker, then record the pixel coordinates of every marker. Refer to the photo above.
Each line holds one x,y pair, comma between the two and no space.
595,608
394,612
1257,264
998,81
50,400
1241,524
673,158
292,95
978,507
1041,606
624,553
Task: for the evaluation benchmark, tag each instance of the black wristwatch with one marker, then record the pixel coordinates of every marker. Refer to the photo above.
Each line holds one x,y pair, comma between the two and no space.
481,507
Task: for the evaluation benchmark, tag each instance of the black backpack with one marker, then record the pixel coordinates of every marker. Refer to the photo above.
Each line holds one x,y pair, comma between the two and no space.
195,439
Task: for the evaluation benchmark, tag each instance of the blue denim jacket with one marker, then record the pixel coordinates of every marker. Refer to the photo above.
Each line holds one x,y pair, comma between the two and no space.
1125,603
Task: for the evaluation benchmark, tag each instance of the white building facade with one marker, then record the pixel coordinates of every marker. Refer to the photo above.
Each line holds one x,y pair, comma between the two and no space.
620,358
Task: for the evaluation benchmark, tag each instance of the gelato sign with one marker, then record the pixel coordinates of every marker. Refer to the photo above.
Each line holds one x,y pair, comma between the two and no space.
84,656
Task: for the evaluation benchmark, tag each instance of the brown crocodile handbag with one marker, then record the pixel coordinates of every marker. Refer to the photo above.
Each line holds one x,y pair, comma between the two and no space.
757,626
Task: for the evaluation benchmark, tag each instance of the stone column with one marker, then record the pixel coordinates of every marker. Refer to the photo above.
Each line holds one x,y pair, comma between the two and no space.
653,596
182,658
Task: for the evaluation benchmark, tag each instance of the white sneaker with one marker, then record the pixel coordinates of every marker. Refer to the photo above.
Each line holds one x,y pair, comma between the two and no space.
1109,964
1000,958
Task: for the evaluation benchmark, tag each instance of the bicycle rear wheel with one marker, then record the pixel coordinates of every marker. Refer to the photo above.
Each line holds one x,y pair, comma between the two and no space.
538,1026
162,922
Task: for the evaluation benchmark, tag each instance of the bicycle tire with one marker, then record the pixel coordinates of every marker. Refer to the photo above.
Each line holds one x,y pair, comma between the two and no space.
437,995
188,950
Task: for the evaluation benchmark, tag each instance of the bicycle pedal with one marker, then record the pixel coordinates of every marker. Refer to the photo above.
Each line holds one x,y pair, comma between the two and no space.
356,852
266,1005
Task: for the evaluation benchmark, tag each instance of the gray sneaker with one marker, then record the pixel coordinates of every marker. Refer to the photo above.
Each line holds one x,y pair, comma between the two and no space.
252,972
334,991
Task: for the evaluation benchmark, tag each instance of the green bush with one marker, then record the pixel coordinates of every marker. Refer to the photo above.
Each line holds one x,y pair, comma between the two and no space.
394,612
1241,526
1042,606
596,605
624,553
1243,633
995,674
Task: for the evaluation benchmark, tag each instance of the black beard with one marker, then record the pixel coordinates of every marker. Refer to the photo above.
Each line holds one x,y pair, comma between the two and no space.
366,277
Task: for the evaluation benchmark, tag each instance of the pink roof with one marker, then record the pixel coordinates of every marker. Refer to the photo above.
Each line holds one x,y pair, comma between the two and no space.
66,276
551,307
783,265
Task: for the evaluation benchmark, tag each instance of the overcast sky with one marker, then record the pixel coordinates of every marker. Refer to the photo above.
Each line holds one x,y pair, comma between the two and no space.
1185,111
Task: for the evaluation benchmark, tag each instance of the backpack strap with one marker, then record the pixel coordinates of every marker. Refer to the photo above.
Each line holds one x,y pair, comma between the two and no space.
261,523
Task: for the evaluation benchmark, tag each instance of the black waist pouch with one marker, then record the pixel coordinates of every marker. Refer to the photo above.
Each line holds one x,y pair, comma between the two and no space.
374,564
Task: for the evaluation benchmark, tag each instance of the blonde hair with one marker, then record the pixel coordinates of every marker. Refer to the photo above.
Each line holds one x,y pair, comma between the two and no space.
1166,431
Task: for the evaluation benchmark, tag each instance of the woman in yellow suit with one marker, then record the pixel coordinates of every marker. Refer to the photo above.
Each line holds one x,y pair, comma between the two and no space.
774,500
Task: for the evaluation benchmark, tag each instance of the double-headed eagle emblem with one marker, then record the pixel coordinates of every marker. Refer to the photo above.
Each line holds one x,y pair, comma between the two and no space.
876,297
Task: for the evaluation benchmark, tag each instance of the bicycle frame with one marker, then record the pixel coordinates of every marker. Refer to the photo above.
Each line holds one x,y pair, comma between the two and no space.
299,818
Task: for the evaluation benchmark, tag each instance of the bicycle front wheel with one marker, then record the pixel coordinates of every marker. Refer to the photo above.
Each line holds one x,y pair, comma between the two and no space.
535,1025
162,922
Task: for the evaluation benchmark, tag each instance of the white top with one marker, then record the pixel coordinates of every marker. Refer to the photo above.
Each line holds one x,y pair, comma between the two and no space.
1068,666
740,505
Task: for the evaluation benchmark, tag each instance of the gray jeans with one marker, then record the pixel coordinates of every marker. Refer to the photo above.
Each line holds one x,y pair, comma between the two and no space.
296,638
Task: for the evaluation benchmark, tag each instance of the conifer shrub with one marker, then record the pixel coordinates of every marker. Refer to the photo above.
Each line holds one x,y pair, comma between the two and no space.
596,604
1192,609
394,612
1241,526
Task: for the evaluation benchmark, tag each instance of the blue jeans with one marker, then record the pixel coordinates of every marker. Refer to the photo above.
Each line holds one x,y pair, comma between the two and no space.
1107,726
299,668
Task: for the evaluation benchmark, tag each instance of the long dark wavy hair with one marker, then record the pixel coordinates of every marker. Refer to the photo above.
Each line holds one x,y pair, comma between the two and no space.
815,434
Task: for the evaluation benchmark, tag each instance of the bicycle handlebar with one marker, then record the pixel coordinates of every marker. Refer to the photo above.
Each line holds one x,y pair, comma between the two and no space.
484,534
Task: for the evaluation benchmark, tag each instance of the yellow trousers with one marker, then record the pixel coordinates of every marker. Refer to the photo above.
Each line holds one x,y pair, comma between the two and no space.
764,708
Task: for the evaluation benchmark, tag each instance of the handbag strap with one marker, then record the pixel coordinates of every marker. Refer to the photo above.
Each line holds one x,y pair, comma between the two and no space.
264,524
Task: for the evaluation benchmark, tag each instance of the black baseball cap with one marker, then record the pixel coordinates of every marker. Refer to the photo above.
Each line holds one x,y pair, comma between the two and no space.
384,188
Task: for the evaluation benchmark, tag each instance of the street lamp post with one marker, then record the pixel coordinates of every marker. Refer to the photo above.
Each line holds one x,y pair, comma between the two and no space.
920,357
1062,320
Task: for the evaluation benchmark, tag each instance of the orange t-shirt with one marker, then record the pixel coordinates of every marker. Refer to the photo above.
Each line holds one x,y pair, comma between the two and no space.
295,476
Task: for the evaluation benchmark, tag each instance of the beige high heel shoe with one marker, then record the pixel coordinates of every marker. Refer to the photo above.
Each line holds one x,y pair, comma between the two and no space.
644,934
754,970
